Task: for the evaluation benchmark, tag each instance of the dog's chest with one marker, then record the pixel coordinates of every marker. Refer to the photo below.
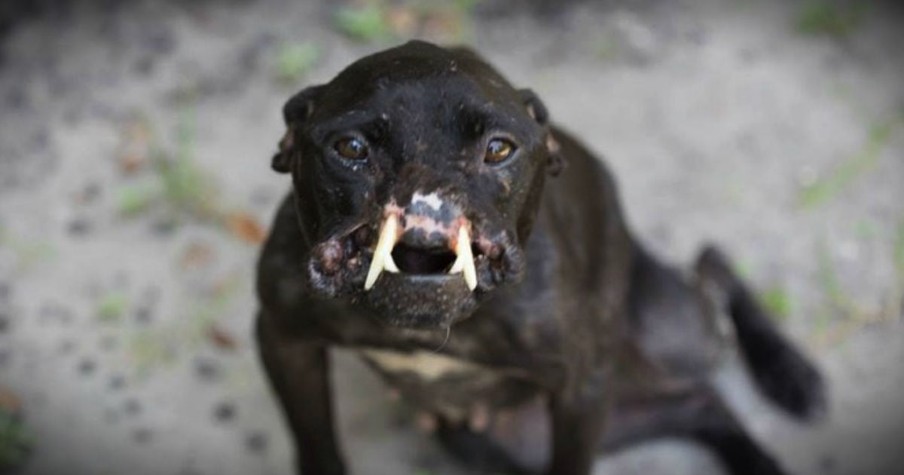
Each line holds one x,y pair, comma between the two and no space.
426,366
445,384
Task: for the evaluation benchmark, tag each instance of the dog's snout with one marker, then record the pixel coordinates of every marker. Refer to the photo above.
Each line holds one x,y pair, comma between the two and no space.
431,221
422,238
438,206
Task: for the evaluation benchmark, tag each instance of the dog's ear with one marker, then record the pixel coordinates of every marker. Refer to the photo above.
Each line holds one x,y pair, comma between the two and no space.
295,112
537,111
535,108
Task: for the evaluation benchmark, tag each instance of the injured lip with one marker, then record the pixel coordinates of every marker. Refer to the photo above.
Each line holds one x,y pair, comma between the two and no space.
420,261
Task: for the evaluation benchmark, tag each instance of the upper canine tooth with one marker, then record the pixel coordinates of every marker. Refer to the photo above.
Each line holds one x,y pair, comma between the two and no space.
464,262
383,252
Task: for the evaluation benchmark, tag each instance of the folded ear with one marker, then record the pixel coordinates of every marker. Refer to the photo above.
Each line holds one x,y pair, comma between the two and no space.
534,106
538,112
295,112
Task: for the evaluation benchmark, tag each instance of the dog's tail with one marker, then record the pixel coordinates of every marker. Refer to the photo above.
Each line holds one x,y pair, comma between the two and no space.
782,373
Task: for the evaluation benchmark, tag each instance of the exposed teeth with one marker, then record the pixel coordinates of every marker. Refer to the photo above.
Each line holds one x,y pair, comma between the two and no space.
464,263
382,259
389,234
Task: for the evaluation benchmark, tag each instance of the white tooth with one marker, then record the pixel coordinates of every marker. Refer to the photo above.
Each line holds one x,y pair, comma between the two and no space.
383,252
470,273
389,265
376,267
457,265
464,262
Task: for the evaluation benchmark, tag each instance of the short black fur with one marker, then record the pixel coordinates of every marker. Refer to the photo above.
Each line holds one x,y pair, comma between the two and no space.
569,315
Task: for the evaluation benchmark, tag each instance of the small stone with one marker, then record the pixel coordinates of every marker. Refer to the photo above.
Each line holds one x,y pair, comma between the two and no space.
224,412
67,347
79,227
144,65
142,435
87,366
89,193
159,41
132,407
117,382
207,370
164,227
221,338
144,314
256,442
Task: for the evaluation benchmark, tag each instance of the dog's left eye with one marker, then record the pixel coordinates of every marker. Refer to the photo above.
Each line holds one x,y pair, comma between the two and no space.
498,150
351,148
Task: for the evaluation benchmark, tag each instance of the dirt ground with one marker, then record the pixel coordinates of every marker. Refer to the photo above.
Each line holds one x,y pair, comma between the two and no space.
135,188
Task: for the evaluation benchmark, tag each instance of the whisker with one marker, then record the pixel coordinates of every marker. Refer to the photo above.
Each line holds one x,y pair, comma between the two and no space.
446,340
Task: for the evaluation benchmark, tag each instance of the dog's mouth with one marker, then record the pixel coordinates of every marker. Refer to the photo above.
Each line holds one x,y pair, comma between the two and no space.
412,260
415,272
394,257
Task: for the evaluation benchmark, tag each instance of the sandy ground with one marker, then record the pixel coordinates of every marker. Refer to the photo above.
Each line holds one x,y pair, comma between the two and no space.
126,294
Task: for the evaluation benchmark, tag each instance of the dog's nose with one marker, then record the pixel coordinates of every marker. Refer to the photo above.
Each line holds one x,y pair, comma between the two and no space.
431,222
428,236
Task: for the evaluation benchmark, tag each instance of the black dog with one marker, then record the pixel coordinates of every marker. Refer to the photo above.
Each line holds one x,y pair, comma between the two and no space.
426,231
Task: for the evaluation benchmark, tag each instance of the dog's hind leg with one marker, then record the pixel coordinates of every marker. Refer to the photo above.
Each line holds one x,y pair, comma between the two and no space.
778,368
699,415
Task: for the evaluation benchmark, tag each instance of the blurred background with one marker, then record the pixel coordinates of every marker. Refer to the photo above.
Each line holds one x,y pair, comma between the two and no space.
135,189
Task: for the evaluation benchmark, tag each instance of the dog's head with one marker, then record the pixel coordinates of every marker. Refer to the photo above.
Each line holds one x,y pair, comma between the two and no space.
417,174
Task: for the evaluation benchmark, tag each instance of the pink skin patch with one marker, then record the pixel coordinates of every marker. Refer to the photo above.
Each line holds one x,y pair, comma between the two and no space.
489,249
426,224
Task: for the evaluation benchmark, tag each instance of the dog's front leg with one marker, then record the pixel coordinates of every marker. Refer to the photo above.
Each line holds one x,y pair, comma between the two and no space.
299,374
577,416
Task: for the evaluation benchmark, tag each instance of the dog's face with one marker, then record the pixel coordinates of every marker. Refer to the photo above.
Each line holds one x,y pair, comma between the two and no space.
417,174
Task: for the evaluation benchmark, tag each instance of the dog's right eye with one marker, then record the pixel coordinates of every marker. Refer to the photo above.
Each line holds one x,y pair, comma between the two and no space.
498,150
351,148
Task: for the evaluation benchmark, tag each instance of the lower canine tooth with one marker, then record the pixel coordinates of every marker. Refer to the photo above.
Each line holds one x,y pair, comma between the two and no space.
464,262
383,252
